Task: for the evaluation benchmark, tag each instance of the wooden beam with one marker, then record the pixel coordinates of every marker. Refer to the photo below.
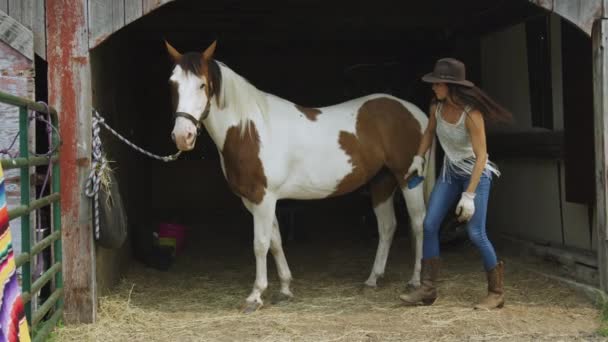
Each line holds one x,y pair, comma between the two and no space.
70,93
600,99
16,35
39,28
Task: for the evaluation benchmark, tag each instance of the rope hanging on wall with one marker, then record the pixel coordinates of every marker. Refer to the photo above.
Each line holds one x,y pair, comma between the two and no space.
101,177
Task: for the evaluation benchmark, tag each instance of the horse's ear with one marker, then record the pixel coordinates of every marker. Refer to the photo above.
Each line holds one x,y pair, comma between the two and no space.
208,54
175,55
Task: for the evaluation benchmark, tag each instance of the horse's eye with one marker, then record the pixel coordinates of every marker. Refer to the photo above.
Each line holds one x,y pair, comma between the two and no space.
203,86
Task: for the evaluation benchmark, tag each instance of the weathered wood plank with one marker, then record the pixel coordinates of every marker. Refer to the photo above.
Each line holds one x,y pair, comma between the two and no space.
133,10
109,16
580,12
600,99
29,13
102,21
22,11
105,18
150,5
14,9
70,94
118,14
547,4
16,35
39,28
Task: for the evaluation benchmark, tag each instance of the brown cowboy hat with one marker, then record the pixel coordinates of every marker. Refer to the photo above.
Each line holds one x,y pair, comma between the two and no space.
448,70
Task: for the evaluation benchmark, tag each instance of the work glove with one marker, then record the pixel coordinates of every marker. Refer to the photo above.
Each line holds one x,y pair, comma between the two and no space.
416,166
466,207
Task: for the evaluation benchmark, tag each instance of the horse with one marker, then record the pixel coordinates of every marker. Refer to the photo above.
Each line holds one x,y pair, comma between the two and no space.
272,149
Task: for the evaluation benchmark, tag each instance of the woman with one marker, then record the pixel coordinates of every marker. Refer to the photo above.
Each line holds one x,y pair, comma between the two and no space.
458,114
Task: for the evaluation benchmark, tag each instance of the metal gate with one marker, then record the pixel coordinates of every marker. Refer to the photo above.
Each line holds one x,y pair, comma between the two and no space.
48,313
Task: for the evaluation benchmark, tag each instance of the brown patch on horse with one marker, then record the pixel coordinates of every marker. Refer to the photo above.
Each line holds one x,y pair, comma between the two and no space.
366,163
388,135
244,169
382,187
311,113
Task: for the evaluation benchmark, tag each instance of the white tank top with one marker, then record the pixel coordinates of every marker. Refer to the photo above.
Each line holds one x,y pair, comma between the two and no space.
455,140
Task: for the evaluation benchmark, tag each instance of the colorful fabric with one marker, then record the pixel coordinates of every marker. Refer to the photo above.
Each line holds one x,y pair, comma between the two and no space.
13,324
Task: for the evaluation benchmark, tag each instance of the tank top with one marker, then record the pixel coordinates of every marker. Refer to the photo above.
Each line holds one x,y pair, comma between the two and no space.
455,140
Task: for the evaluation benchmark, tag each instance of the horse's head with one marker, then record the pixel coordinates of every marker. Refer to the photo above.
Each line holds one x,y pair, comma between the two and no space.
194,82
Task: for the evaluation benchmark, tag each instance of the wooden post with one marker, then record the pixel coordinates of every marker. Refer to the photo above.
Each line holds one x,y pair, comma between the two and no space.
70,93
600,97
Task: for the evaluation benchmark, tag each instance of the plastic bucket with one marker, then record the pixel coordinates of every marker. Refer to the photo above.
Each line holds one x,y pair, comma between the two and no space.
172,234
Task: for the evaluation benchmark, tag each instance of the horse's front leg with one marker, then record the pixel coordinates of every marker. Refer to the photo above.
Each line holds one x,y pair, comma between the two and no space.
263,217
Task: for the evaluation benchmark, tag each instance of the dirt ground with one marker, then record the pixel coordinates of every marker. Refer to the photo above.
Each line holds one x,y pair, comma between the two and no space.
199,298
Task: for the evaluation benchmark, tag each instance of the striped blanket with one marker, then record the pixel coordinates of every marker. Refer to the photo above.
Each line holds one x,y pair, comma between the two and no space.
13,325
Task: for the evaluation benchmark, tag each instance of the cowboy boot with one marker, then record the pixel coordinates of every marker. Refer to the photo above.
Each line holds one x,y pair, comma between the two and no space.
496,289
427,292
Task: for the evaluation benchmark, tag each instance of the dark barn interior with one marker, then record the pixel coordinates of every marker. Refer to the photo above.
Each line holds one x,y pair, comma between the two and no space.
313,53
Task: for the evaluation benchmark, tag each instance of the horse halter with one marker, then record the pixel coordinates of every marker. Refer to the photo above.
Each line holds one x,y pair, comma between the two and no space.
197,123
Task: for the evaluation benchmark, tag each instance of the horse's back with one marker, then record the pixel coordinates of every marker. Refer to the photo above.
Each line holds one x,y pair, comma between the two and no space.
343,146
379,104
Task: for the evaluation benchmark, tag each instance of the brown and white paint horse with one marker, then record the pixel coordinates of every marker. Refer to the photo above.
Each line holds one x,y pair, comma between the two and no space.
271,149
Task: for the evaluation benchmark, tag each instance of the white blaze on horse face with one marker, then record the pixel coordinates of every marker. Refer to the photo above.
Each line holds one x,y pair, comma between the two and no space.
192,99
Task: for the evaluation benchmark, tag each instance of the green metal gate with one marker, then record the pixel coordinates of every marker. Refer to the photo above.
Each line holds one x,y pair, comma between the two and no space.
40,322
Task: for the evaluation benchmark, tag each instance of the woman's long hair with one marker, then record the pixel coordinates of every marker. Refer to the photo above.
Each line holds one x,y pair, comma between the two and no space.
479,100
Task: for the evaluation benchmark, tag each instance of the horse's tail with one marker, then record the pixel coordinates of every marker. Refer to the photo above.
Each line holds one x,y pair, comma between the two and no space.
429,172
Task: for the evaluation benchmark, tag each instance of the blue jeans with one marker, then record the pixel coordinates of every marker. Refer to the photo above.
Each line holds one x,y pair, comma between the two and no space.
445,194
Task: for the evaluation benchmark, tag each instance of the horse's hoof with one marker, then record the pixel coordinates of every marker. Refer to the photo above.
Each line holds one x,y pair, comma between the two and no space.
281,298
412,285
366,288
251,307
371,284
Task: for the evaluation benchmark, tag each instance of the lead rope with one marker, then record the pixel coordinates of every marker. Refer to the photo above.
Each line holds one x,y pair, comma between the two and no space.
99,163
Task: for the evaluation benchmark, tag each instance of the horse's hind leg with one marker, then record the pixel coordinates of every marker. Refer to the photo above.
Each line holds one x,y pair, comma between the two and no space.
414,198
276,247
383,189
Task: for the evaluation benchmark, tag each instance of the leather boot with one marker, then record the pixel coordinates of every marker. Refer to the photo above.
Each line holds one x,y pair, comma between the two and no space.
427,292
496,289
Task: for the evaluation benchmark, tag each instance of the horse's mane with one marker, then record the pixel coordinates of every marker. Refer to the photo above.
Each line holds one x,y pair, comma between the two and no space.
237,94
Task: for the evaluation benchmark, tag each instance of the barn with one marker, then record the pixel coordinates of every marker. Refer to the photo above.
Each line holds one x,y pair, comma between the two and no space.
543,59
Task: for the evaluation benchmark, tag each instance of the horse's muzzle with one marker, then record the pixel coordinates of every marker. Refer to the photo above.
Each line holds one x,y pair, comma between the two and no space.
184,140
